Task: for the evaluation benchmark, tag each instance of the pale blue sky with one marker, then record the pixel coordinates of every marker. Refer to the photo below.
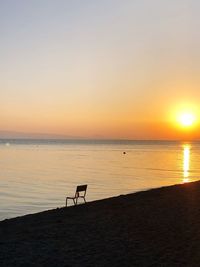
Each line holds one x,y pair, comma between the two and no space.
94,67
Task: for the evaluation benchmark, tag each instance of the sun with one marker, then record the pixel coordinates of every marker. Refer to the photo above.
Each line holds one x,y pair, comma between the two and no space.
186,119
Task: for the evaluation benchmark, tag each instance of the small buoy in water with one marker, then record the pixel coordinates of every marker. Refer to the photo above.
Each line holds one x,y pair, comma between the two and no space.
124,152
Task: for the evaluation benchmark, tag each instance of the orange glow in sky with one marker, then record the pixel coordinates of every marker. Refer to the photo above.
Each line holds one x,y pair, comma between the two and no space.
105,69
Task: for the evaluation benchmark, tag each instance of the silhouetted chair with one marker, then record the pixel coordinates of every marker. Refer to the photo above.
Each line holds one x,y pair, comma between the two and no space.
79,189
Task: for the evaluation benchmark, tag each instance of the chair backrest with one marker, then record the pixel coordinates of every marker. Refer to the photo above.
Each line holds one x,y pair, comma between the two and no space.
81,188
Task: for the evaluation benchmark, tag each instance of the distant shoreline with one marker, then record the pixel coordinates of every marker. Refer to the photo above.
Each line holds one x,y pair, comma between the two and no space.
10,135
98,141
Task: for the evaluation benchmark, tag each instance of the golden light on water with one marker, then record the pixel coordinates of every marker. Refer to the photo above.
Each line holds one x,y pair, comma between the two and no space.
186,163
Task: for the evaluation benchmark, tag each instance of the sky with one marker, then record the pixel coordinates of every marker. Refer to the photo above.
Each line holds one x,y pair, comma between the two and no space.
99,68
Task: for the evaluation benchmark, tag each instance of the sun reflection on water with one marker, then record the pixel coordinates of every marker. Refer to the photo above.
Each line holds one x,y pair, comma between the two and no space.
186,163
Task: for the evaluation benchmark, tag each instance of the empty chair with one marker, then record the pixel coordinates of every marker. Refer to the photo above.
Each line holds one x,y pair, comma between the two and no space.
80,193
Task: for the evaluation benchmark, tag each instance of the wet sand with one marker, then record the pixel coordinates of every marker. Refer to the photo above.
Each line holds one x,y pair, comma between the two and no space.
160,227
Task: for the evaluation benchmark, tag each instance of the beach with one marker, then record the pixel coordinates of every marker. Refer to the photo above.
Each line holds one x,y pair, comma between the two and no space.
159,227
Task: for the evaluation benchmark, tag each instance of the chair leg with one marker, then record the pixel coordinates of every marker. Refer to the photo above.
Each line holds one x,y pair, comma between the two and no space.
75,200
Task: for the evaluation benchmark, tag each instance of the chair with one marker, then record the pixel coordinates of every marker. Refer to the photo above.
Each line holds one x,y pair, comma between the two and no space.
79,189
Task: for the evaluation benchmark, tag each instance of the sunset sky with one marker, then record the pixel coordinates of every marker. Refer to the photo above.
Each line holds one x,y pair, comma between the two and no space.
100,68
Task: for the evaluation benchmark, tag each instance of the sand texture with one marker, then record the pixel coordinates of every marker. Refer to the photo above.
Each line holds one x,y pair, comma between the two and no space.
160,227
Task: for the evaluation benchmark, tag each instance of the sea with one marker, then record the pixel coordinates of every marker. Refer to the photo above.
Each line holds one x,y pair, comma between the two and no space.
37,175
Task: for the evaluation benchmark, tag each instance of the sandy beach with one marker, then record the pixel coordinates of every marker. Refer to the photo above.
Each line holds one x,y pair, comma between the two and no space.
159,227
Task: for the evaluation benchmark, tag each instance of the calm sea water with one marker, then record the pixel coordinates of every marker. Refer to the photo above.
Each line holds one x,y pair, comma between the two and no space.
36,175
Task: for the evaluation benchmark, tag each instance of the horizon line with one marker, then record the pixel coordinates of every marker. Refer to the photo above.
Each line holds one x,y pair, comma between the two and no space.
95,139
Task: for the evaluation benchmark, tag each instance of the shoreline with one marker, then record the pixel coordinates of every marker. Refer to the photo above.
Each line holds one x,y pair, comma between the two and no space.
89,202
156,227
